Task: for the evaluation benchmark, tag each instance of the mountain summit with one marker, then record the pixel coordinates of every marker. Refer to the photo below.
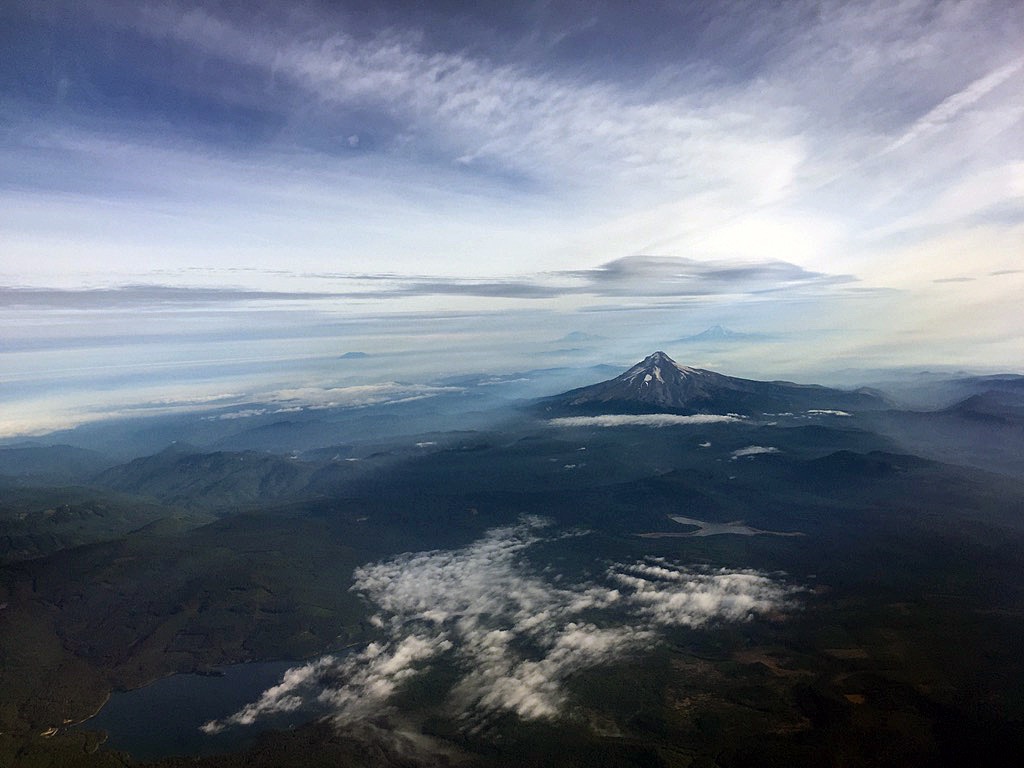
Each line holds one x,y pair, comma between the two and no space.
719,333
657,380
660,384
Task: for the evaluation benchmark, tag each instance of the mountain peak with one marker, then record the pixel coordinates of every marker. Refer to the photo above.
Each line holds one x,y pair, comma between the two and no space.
656,365
661,384
657,382
719,333
659,357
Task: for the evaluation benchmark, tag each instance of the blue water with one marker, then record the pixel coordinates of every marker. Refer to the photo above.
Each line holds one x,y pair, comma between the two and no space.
163,718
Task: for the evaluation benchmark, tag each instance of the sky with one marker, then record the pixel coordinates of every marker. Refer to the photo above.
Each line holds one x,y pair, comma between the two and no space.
214,199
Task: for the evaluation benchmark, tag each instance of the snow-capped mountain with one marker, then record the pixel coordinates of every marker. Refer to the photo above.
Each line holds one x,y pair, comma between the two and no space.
660,384
718,333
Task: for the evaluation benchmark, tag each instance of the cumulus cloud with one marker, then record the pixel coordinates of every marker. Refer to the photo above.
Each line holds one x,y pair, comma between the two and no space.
753,450
514,636
641,420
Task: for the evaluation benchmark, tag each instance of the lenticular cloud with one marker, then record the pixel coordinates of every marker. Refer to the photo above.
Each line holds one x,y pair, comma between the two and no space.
514,636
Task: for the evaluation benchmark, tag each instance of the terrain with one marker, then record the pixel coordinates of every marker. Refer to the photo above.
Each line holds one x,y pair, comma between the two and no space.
669,567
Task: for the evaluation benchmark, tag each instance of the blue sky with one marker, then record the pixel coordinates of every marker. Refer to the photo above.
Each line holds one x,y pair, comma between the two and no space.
466,184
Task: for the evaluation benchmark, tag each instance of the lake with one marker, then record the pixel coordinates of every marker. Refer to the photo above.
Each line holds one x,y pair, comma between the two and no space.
163,718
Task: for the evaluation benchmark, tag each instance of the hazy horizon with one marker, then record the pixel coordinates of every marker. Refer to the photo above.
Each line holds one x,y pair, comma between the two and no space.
206,204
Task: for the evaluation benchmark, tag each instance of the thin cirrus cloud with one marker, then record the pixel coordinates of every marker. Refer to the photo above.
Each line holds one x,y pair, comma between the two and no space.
471,110
486,159
840,120
513,636
654,276
140,295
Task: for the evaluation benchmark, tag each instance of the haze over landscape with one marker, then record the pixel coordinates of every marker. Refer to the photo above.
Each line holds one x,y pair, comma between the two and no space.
534,383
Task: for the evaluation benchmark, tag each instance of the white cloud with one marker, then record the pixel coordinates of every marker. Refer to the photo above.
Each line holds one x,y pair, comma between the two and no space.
642,420
356,396
953,105
286,696
753,450
514,636
40,416
245,413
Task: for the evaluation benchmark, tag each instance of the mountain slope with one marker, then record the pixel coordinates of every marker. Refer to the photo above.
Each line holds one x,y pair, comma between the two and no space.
197,480
51,463
660,384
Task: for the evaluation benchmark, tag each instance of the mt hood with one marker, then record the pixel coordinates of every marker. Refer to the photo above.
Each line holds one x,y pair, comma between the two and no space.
660,384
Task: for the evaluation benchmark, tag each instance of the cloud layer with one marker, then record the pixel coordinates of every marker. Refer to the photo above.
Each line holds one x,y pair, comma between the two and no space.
753,450
815,170
630,276
642,420
514,636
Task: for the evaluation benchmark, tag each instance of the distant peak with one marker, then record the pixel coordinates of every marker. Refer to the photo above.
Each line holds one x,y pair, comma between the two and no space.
719,333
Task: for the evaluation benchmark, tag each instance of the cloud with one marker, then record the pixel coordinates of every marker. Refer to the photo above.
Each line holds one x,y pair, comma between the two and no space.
675,276
629,276
37,417
751,141
643,420
952,106
637,276
513,636
474,111
245,413
668,595
753,450
140,295
356,396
